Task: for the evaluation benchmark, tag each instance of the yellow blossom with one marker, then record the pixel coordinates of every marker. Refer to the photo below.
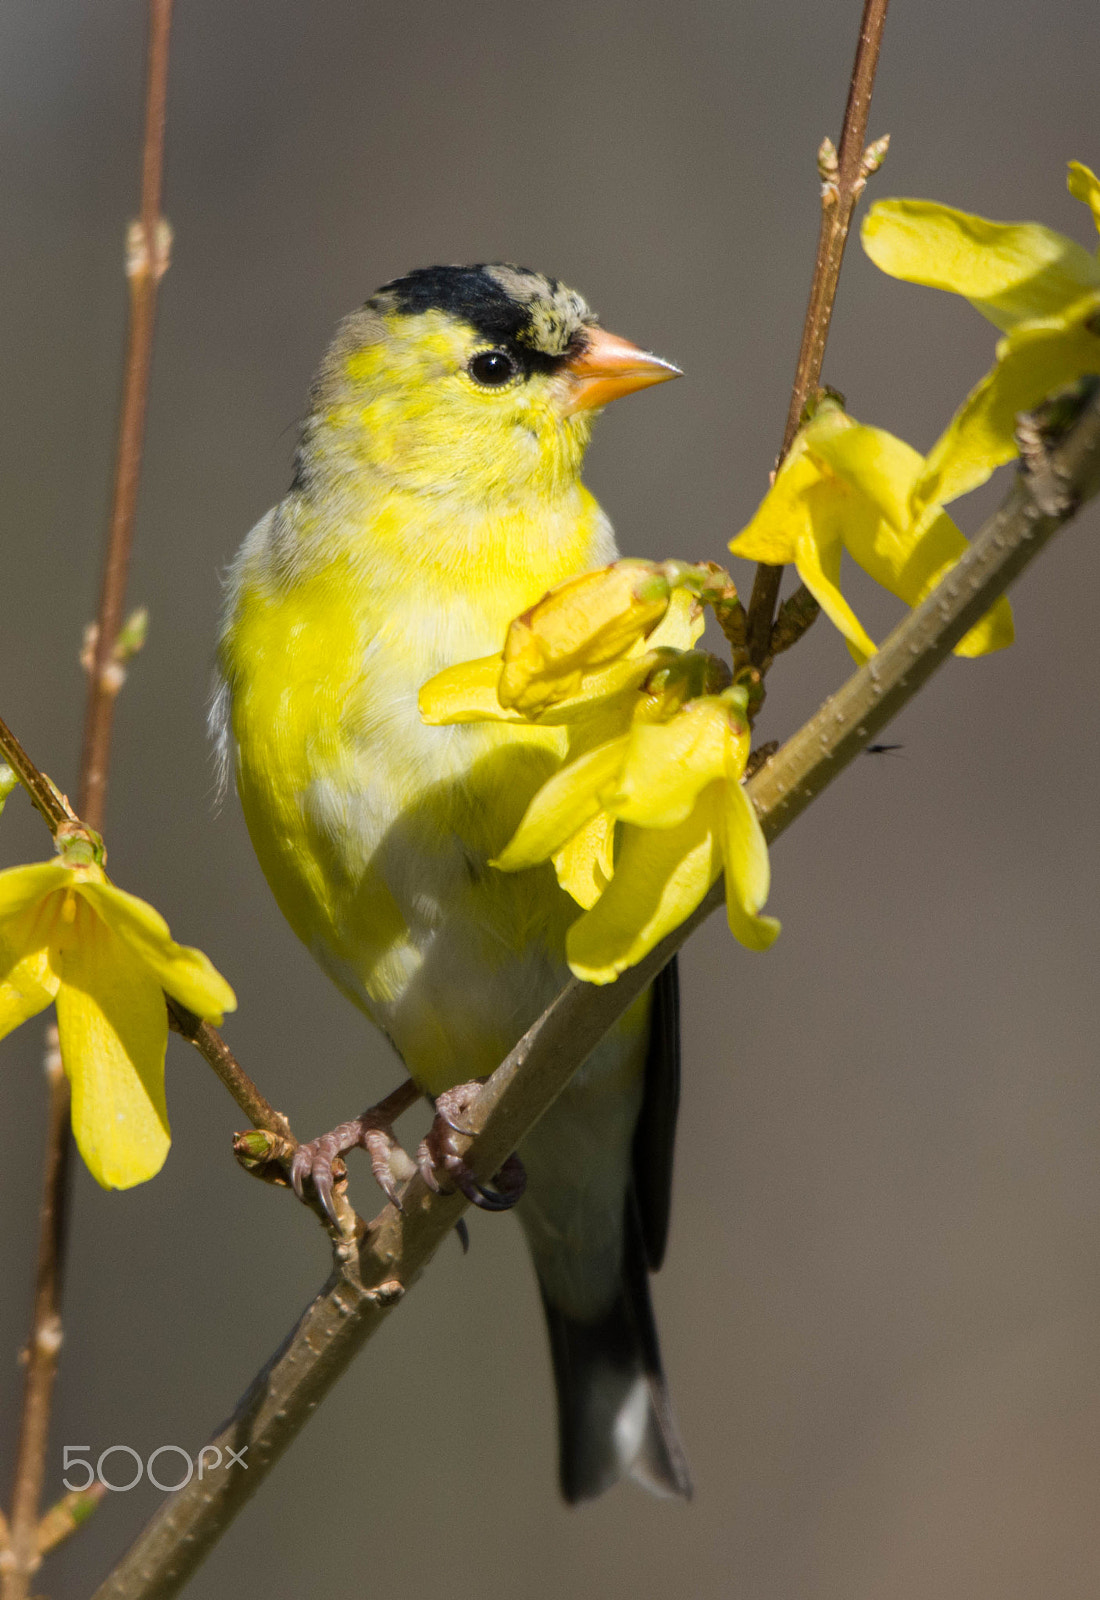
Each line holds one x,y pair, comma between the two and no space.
674,786
607,700
647,809
68,935
846,486
471,691
1040,288
579,625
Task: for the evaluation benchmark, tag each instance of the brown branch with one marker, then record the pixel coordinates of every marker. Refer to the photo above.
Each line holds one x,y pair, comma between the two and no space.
214,1050
57,813
45,1341
70,1513
366,1287
266,1155
52,806
146,263
844,176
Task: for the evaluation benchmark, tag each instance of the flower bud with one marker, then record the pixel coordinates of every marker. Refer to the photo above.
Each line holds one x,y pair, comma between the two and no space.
582,624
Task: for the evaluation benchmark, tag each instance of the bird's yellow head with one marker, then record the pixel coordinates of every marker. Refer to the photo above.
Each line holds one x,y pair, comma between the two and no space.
470,384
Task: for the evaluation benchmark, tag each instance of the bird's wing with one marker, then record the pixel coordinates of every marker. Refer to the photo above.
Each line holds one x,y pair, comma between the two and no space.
655,1133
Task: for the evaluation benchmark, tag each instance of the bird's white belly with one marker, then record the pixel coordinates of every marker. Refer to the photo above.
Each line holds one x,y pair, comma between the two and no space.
480,952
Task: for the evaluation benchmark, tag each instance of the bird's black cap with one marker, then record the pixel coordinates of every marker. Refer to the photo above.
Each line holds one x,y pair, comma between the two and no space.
534,316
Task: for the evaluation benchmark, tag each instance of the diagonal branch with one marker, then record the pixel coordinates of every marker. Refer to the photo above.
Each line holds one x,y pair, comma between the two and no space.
844,176
367,1285
51,806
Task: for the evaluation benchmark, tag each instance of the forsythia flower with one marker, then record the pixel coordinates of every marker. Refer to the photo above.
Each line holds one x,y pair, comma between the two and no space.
845,486
550,658
1041,289
608,657
578,626
67,934
675,786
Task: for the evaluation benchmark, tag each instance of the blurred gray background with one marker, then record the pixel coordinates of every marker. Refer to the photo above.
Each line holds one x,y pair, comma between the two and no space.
881,1309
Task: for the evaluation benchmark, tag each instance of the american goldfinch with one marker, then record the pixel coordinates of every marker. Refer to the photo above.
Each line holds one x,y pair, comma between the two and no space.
437,495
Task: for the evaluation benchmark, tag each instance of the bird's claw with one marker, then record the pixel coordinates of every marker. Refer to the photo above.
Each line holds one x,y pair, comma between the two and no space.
438,1154
320,1162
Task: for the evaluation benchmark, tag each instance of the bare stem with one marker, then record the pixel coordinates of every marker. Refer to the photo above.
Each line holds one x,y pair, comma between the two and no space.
70,1513
397,1246
844,176
146,263
45,1341
214,1050
57,812
52,806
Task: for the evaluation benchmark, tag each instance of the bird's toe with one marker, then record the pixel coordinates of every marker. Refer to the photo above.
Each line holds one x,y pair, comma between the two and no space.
439,1156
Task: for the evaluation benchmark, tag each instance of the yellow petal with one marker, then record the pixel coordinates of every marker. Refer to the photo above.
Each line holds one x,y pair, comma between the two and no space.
566,801
586,862
466,693
1033,361
907,558
9,782
114,1029
819,569
668,763
926,555
188,975
995,631
1083,184
782,517
1008,271
661,875
748,871
579,625
22,886
608,693
877,465
860,504
28,982
681,624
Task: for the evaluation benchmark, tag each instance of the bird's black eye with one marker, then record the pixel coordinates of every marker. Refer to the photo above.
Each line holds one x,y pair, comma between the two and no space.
492,368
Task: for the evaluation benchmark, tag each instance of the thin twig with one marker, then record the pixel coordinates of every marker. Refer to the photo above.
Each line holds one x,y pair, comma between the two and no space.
214,1050
275,1160
71,1512
146,263
52,806
397,1246
45,1341
57,812
844,176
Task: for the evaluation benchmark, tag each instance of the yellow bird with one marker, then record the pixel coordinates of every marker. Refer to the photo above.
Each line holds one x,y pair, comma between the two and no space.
437,495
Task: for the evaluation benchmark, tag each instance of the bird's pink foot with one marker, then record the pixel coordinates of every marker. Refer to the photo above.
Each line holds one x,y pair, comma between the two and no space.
321,1161
438,1156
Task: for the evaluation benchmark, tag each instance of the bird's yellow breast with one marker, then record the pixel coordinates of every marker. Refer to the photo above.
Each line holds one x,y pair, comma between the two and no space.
373,830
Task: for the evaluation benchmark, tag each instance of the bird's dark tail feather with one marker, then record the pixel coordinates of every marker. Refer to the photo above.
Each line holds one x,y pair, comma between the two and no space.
614,1416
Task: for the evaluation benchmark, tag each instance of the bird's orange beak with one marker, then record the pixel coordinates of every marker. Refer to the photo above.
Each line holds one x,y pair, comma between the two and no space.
608,367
